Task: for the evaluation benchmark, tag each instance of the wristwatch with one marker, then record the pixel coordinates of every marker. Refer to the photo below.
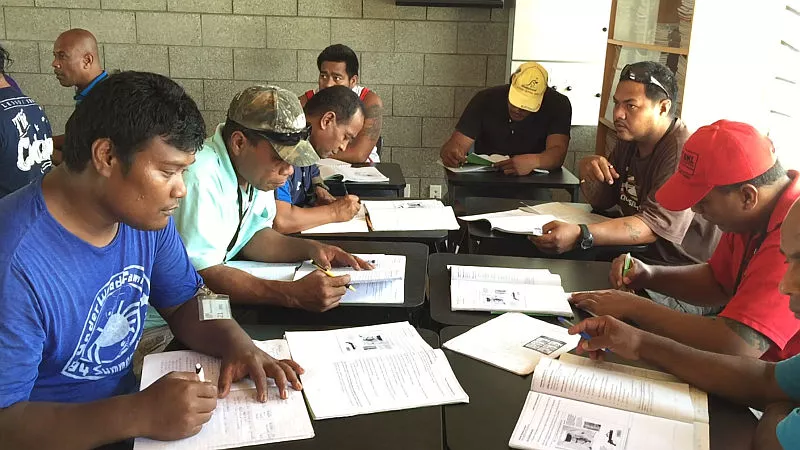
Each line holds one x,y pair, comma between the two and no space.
587,240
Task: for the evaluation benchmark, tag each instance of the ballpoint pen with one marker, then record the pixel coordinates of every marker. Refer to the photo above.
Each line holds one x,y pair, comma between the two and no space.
582,334
332,275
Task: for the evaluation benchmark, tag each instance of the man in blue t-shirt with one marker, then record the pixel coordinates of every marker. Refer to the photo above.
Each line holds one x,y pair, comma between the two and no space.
336,116
751,381
26,140
76,278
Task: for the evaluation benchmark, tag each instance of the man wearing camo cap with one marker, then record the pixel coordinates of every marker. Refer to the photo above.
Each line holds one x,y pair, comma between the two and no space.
230,205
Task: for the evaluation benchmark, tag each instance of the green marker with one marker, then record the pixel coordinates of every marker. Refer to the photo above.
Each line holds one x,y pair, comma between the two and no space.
628,264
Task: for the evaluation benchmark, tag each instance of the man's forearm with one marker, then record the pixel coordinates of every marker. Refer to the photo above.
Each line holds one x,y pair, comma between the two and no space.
705,333
357,152
66,426
551,158
599,195
693,284
243,288
270,246
628,230
749,381
294,219
212,337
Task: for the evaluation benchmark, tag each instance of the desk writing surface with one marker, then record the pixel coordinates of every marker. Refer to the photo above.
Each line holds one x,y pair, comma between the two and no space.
419,428
562,178
393,171
575,276
496,398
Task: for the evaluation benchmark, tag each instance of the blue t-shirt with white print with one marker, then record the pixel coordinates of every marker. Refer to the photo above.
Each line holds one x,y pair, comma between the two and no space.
787,372
26,140
297,189
73,313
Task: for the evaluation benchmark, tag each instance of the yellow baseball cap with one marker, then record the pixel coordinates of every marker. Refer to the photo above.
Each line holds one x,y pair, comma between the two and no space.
528,85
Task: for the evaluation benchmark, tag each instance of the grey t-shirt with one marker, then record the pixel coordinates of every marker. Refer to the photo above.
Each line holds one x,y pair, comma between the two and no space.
683,236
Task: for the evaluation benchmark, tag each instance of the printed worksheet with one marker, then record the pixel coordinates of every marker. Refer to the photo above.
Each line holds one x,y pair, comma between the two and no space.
385,284
266,271
410,215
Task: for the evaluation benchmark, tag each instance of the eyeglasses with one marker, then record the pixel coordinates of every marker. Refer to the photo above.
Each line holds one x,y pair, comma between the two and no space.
640,74
285,138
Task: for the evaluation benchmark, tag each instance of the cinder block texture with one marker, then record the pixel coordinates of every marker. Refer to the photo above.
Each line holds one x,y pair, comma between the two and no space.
455,70
107,26
25,56
271,64
204,6
483,38
366,35
392,68
496,70
329,8
135,5
16,3
307,65
462,98
194,88
234,31
401,131
201,62
418,162
425,37
386,9
436,131
45,89
424,101
95,4
301,33
145,58
266,7
168,28
459,14
36,24
58,116
217,94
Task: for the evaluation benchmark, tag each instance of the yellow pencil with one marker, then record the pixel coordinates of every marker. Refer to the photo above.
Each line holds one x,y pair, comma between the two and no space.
332,275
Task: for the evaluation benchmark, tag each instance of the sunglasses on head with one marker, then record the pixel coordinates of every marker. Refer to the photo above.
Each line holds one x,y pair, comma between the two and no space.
640,74
285,138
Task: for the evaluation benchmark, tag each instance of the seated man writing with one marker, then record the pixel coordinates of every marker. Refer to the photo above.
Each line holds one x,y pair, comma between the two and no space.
336,116
729,174
650,139
338,66
76,278
526,120
229,205
775,388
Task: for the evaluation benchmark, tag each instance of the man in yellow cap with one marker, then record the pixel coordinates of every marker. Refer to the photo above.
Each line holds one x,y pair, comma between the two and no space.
525,120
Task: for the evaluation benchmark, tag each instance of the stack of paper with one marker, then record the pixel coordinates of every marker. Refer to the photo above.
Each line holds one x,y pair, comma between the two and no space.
514,342
367,174
383,284
685,14
478,163
357,224
535,291
410,215
680,79
266,271
576,403
330,162
372,369
530,219
239,419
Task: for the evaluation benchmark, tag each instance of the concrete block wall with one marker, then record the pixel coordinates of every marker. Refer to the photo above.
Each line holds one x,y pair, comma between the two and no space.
425,63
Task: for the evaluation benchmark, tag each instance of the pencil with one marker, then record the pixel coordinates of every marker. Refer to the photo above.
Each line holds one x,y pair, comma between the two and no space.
332,275
583,334
198,369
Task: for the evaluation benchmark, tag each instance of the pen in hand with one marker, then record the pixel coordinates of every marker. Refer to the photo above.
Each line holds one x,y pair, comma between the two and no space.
198,369
332,275
582,334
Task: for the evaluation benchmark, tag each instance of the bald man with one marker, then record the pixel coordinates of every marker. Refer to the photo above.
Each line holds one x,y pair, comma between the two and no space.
76,62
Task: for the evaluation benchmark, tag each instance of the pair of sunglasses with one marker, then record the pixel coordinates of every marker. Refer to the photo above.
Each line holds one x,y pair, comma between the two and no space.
285,138
642,75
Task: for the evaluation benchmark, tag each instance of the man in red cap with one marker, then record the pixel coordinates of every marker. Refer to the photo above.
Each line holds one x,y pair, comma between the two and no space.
729,174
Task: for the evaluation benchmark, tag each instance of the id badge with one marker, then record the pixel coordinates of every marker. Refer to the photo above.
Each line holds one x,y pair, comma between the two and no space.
214,306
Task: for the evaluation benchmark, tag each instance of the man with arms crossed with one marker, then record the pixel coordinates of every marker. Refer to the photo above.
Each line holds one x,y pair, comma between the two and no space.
76,278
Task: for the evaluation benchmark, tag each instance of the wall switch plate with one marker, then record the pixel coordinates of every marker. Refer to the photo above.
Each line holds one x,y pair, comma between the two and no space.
435,191
407,191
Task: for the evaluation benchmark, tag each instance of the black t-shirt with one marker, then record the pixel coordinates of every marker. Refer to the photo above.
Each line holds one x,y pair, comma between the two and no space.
487,121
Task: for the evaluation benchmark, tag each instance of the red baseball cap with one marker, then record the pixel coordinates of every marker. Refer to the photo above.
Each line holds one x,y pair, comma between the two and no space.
719,154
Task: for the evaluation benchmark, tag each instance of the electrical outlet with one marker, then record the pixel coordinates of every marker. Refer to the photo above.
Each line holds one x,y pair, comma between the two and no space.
435,191
407,191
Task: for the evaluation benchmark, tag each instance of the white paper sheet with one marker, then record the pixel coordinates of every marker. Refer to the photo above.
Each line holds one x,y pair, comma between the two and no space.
266,271
410,215
385,284
504,275
367,174
514,342
357,224
372,369
239,419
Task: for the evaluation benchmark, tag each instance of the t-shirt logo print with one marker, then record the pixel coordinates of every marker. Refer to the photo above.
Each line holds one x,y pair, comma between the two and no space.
112,328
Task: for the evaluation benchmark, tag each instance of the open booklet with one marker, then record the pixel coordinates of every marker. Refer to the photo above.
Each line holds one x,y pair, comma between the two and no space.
368,174
531,219
383,284
371,369
266,271
534,291
239,419
514,342
357,224
410,215
578,404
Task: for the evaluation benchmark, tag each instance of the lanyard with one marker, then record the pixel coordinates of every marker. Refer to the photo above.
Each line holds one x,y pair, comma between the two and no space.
747,256
242,210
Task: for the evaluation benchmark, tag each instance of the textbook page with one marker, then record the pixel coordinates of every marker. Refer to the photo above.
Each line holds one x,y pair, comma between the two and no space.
239,419
372,369
493,215
514,342
387,267
504,275
358,224
483,296
516,221
553,423
266,271
574,213
330,162
374,205
604,387
413,218
367,174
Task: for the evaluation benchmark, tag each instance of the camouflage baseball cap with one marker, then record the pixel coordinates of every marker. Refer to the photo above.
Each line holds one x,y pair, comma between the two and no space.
276,115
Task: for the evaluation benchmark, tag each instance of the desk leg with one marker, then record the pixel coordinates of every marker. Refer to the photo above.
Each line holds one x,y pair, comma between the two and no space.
575,193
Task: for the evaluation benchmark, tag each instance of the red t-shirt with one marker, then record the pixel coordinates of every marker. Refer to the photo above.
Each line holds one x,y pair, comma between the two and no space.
758,302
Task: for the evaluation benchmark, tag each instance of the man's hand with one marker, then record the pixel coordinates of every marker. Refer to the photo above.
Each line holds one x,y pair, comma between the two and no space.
175,407
608,333
557,237
323,197
519,165
452,156
346,207
327,256
317,292
607,303
247,359
597,168
637,277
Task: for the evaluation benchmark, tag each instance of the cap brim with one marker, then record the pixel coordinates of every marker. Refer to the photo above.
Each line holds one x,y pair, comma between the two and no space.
677,194
300,155
524,101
